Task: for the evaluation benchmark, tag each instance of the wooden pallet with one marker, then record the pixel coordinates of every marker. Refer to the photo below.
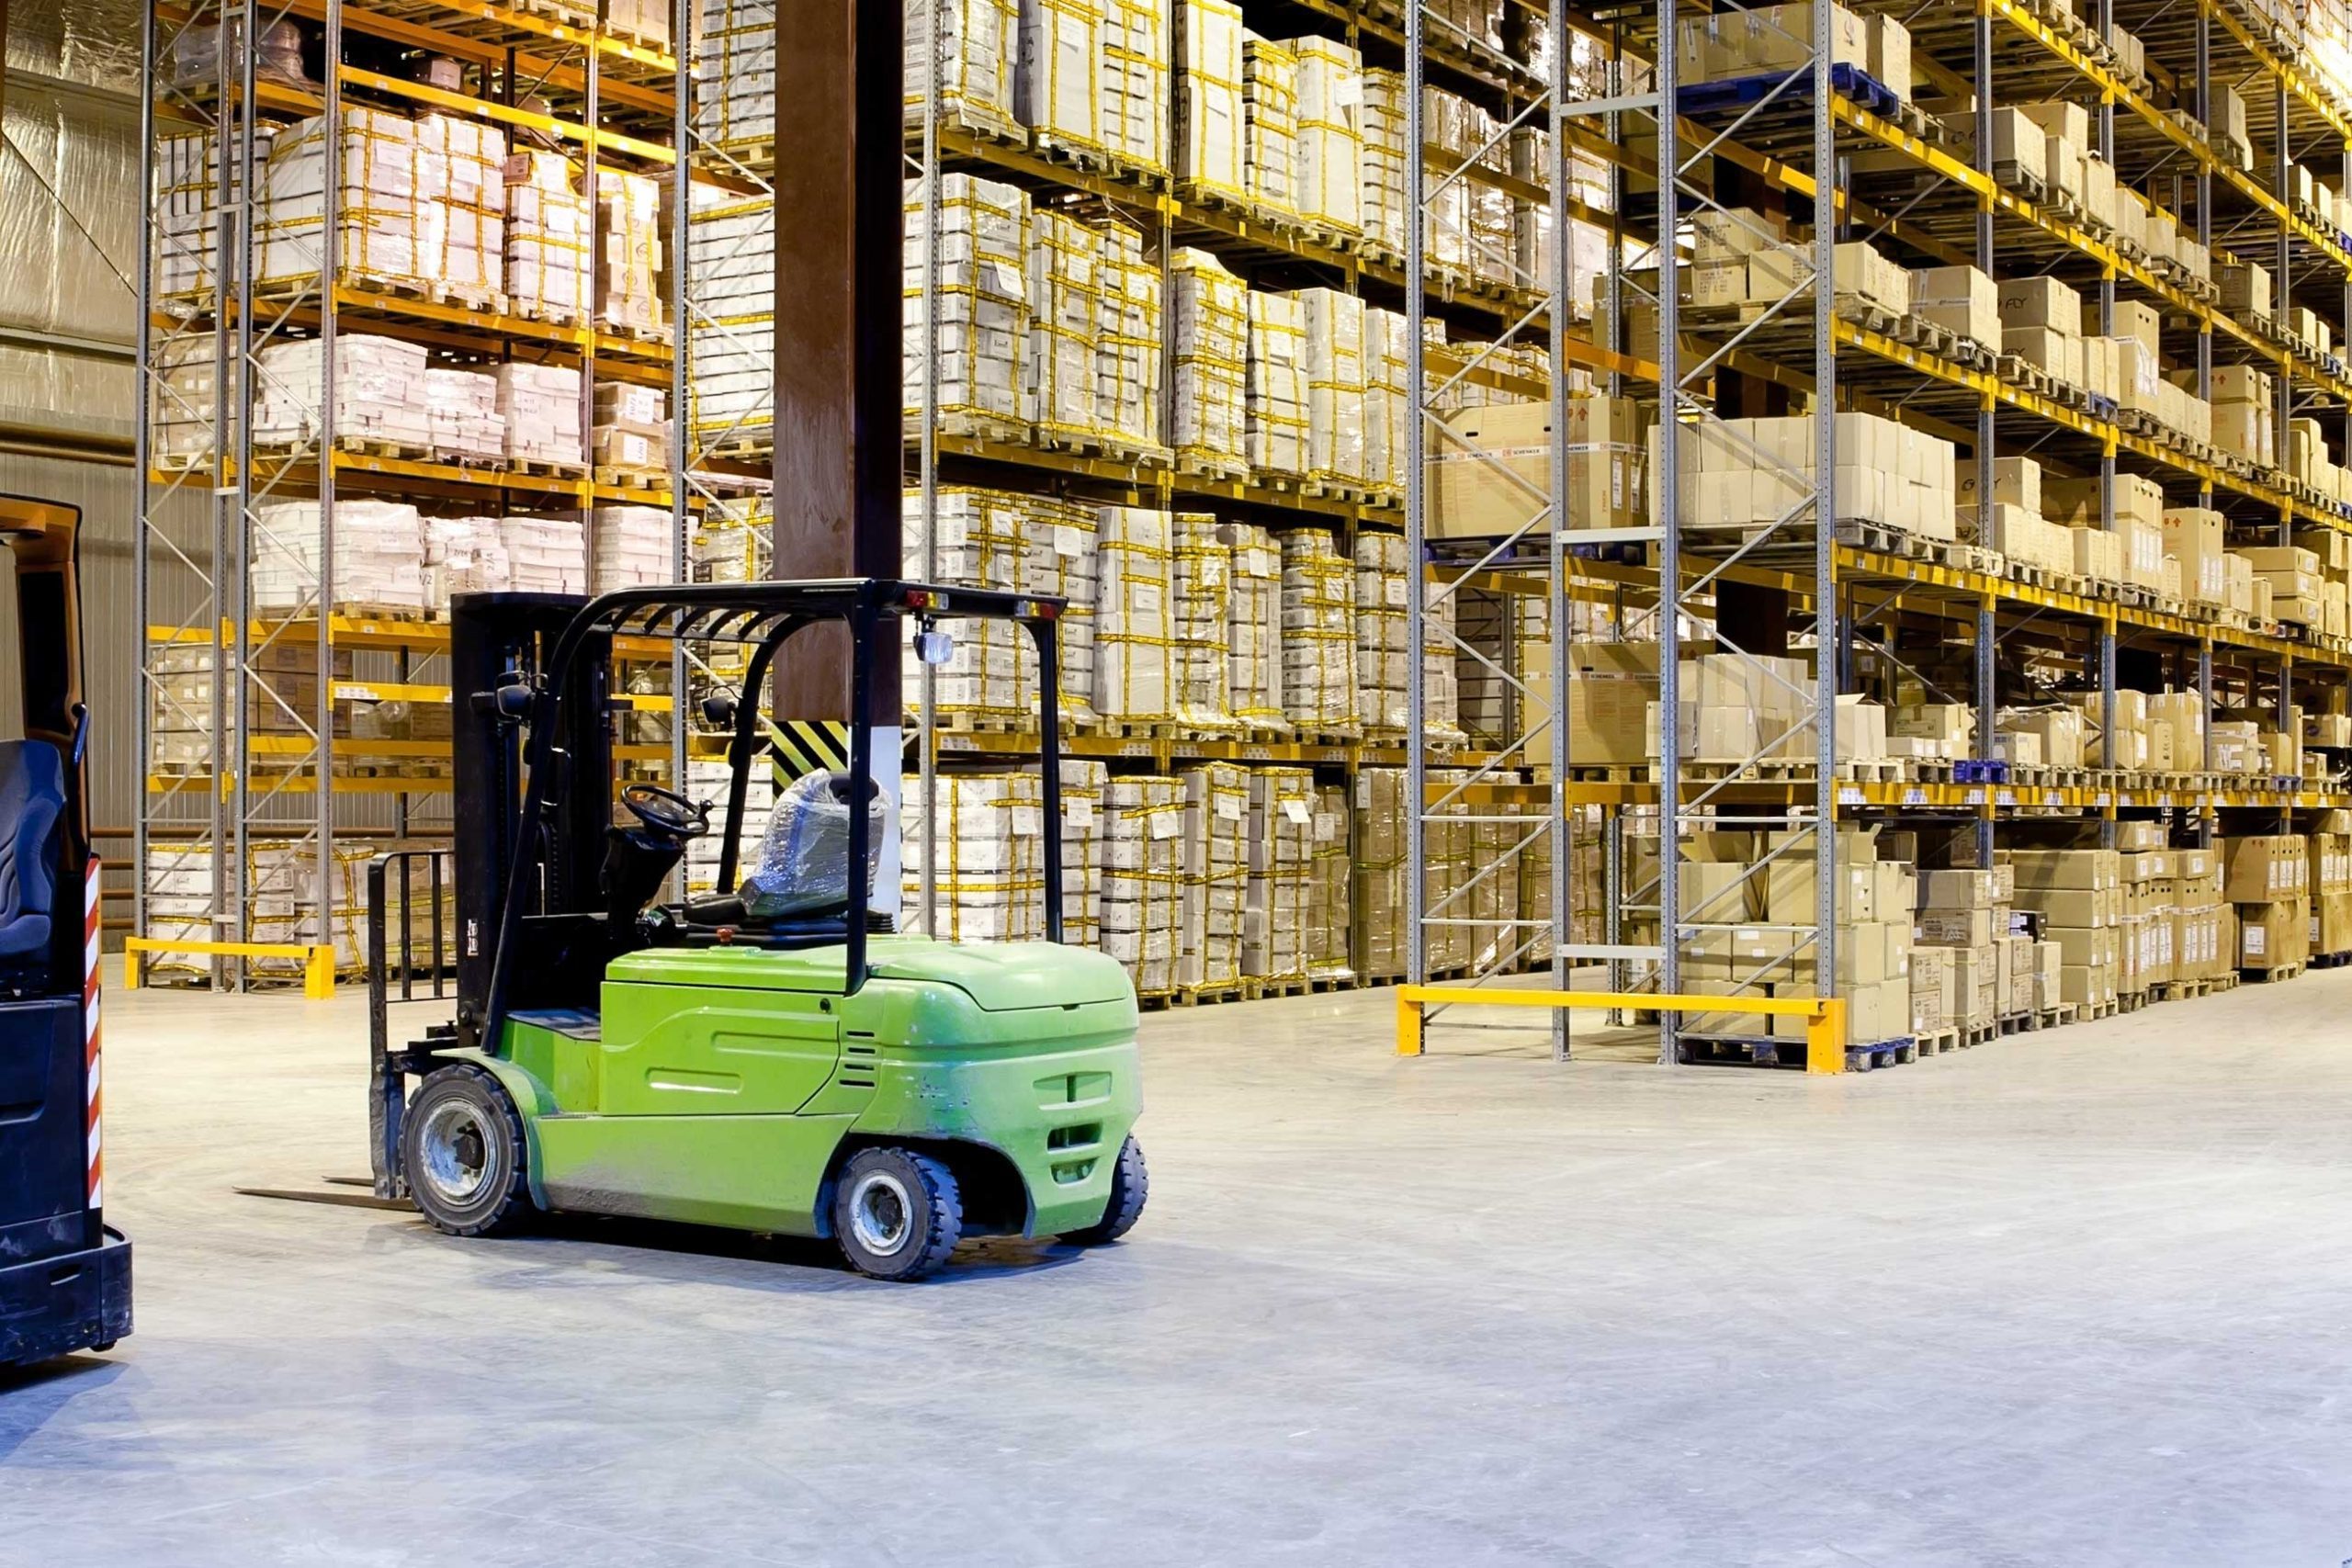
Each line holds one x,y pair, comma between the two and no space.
1209,995
548,468
2272,975
1258,989
1936,1042
624,477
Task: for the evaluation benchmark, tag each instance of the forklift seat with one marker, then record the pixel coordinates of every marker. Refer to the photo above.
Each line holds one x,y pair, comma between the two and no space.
32,799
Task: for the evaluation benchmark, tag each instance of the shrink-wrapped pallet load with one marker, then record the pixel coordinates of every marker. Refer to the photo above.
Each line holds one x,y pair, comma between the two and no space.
1269,110
1215,876
1280,852
1318,638
630,547
711,780
987,848
1331,896
1441,663
1133,619
1388,398
1448,848
540,404
1143,862
1061,50
382,398
463,555
1277,406
1083,786
1131,84
546,553
1200,658
1129,340
1379,871
1211,306
462,415
1334,365
549,240
1066,310
734,67
1255,643
1380,625
1330,187
1210,129
983,540
627,295
377,561
185,216
730,255
1381,203
978,54
1060,561
982,306
461,207
376,202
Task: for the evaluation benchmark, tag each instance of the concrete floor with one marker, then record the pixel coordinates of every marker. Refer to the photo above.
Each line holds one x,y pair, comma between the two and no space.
2073,1299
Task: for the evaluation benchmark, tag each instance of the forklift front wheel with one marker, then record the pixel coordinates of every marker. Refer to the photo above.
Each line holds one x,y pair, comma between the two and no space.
463,1152
1130,1186
897,1213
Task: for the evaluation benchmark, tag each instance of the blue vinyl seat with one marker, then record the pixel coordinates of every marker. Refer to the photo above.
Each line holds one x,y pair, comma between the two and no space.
32,799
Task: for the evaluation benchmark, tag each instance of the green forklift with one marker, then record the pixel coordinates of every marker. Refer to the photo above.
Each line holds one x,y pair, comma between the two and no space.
775,1059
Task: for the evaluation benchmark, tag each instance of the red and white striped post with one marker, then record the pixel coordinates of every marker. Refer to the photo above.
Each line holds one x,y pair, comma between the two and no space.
90,945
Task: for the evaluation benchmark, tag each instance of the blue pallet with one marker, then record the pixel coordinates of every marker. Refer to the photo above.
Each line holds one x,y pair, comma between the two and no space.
2102,408
1728,99
1980,770
1769,1052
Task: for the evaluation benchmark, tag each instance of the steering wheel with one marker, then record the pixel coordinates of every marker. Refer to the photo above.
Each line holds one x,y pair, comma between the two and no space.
666,811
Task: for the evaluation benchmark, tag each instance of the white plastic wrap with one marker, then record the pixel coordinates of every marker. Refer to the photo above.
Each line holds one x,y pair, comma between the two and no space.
803,866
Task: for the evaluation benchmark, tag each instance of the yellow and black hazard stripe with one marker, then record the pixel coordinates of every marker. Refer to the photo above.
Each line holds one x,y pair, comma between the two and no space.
808,746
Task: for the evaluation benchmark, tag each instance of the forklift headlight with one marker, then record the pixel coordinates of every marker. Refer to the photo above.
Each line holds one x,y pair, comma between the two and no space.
935,648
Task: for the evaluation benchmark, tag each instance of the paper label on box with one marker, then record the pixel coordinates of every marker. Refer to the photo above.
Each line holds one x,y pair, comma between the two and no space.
1392,590
1028,821
2255,938
1069,541
1228,805
1327,827
1079,812
1144,597
1296,811
1167,823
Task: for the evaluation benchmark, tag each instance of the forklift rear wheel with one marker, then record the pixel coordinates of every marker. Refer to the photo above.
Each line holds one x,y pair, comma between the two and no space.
463,1153
1130,1186
897,1213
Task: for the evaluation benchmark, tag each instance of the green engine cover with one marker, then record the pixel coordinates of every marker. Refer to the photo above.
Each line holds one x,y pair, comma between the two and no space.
721,1082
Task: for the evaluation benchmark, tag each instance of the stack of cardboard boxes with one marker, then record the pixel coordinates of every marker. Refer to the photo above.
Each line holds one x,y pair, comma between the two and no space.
1143,862
1742,474
1280,853
2330,880
2267,879
1965,914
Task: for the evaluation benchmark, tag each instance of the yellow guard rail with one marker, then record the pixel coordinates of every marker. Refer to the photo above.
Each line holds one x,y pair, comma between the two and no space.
318,960
1825,1031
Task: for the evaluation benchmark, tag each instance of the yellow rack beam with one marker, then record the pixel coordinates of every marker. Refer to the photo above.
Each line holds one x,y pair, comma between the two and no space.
1825,1031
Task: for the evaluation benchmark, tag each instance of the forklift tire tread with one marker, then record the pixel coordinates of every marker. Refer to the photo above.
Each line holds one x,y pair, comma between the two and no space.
914,1220
1130,1188
459,1094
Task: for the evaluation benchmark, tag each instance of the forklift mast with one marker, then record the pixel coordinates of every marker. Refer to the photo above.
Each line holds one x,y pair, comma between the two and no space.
500,646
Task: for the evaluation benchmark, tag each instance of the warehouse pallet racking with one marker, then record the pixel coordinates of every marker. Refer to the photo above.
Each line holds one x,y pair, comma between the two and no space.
270,762
1815,133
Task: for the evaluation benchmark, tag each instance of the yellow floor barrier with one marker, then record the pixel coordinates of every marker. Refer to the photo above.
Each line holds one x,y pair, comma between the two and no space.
1825,1031
318,959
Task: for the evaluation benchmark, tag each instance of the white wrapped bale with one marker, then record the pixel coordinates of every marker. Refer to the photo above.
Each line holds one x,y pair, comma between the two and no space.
376,202
1129,340
1277,401
549,240
1318,637
1065,323
1210,131
982,305
1329,186
982,542
731,251
1082,823
630,547
1135,620
628,294
1280,852
463,555
540,404
1270,108
462,411
1060,562
1143,860
1334,364
1200,659
1131,86
1215,876
1388,398
1254,646
734,67
1381,203
1212,369
980,52
546,553
382,397
461,207
1061,50
1381,621
377,561
988,854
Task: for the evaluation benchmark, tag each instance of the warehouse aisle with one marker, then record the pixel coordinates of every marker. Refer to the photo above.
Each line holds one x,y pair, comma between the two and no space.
2076,1298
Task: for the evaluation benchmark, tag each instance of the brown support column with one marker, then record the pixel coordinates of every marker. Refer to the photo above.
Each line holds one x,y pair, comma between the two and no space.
839,171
